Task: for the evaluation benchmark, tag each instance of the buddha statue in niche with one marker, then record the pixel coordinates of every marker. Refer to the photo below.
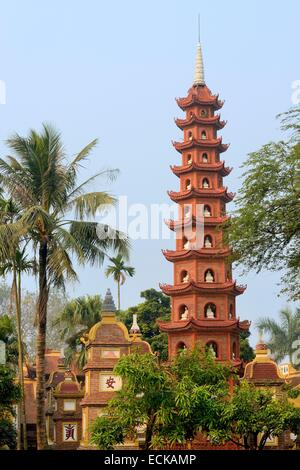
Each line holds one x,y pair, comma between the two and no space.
209,313
209,277
205,184
207,242
207,212
185,314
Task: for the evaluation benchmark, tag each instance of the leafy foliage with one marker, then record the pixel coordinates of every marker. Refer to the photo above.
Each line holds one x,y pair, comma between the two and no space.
264,231
9,336
171,402
246,351
254,415
10,394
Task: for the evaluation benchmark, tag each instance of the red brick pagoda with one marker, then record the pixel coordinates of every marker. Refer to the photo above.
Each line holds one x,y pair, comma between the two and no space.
203,294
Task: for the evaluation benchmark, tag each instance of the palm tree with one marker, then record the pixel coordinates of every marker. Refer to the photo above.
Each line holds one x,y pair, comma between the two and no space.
119,271
283,334
75,320
16,262
17,265
44,185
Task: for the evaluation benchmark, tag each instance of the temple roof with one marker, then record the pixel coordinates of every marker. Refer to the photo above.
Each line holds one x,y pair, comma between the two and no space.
202,192
209,167
201,95
174,255
194,119
188,221
203,143
207,324
263,369
69,386
203,287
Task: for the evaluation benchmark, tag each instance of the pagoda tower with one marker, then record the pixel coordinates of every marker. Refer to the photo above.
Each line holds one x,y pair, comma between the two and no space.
203,292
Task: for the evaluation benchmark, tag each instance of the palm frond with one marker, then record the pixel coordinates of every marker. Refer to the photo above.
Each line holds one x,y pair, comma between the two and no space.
88,204
83,154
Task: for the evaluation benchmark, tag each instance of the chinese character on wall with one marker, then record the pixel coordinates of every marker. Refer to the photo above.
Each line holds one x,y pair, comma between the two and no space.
110,383
69,432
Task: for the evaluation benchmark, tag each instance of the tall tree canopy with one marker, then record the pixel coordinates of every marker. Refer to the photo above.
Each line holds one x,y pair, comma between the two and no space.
170,401
119,270
264,231
253,415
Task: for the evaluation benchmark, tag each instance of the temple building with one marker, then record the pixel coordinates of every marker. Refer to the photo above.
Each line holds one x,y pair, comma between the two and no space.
203,292
54,375
106,342
63,414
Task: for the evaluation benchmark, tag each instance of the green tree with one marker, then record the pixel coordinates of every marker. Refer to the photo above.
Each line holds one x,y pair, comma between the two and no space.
119,271
252,416
282,334
45,187
10,394
156,305
19,264
8,334
264,231
246,351
74,321
170,401
200,387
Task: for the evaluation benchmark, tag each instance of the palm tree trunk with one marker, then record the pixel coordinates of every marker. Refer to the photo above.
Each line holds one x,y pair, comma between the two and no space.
21,407
41,346
119,294
20,345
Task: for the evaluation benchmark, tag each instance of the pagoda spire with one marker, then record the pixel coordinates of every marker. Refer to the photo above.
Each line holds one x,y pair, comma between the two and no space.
199,68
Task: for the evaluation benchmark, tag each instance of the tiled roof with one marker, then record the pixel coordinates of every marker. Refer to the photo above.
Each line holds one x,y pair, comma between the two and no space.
262,369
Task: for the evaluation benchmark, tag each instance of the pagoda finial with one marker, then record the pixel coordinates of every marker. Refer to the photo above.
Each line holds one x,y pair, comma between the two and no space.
199,69
135,329
108,303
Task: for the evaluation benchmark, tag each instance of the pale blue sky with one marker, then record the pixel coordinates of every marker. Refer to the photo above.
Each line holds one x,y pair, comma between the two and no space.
112,70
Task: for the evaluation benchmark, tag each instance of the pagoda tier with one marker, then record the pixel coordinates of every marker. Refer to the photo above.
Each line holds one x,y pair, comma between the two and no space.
203,143
202,287
175,255
215,167
200,97
191,221
203,293
220,193
194,119
214,325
